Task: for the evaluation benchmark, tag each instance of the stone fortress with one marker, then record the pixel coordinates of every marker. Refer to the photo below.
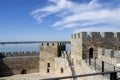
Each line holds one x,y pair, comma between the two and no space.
90,52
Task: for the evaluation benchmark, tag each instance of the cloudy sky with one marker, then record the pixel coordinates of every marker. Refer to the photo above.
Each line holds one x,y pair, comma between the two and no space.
28,20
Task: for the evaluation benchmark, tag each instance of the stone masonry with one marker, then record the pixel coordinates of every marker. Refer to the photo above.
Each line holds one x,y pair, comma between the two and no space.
19,63
88,51
89,47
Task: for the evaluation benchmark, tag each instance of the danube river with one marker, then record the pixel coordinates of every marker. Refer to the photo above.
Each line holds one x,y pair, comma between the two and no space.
23,47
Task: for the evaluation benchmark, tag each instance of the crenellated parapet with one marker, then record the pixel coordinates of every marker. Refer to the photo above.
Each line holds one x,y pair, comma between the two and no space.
107,34
96,35
79,35
55,48
53,44
18,54
48,44
117,34
84,43
48,53
104,39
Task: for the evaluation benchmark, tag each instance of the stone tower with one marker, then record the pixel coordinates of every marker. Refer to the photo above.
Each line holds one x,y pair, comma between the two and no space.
48,52
84,46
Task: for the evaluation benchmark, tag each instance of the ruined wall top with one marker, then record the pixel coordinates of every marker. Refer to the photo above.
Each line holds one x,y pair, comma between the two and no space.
96,35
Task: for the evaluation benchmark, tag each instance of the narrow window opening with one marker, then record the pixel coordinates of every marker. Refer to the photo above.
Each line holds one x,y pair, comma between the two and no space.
62,70
48,70
48,64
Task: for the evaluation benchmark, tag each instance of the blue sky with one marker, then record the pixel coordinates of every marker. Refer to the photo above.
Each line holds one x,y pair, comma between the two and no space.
34,20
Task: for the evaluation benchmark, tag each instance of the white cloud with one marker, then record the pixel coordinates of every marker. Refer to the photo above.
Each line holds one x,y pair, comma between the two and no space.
71,25
57,6
80,15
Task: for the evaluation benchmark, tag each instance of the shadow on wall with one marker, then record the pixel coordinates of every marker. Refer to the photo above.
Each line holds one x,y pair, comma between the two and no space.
4,69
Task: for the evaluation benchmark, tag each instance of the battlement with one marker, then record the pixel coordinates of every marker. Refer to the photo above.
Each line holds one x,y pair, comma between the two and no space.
117,34
106,35
52,44
95,35
16,54
78,35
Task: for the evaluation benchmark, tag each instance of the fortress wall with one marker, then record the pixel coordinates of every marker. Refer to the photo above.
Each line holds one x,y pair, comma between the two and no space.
47,66
77,49
53,44
117,38
117,34
62,67
109,55
96,36
108,40
48,52
30,64
15,62
53,48
83,41
108,35
49,44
